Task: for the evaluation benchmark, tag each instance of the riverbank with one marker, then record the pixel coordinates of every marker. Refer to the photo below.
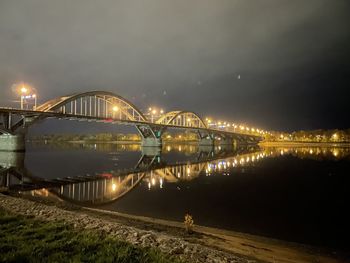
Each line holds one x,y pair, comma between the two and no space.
24,239
169,238
303,144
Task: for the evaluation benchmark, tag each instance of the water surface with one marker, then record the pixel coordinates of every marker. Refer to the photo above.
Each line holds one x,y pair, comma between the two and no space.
296,194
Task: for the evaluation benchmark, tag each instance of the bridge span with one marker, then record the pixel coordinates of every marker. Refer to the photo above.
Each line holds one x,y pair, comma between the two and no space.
107,107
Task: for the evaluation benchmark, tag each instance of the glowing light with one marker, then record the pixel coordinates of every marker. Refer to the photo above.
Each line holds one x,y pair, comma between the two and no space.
335,152
114,187
161,111
153,181
154,111
115,108
24,90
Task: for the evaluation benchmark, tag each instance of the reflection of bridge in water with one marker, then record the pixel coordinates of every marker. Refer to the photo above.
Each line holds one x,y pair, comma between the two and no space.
15,176
105,187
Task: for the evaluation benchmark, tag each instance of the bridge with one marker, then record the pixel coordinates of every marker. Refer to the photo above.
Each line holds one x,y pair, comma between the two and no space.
107,107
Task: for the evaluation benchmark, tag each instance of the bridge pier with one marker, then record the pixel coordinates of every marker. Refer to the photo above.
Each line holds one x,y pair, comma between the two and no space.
151,142
225,141
12,143
206,142
151,136
205,138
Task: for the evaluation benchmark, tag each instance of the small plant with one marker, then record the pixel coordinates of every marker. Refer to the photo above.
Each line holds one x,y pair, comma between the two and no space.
189,223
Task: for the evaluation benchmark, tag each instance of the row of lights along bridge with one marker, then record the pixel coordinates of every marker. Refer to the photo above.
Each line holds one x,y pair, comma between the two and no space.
28,98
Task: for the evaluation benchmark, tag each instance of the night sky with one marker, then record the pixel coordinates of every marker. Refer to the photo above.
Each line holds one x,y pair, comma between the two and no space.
279,65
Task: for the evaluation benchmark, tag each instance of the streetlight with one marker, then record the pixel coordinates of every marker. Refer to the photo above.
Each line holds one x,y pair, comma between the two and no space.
34,97
153,113
23,91
26,92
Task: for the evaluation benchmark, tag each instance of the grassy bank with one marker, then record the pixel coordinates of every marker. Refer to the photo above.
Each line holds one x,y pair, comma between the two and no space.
24,239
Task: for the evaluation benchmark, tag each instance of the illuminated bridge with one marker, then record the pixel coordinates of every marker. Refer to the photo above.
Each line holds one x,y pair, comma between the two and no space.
107,107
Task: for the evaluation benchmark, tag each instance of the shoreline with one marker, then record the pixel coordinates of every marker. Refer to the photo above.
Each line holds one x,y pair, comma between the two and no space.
210,243
304,144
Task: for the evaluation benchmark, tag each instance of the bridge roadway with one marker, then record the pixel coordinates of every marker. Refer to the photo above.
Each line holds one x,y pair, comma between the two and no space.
106,107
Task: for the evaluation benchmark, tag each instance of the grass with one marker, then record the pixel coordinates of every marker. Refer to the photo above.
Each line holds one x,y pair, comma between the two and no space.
24,239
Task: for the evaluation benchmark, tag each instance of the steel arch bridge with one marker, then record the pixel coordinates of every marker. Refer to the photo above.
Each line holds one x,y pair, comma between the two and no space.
94,104
182,119
107,107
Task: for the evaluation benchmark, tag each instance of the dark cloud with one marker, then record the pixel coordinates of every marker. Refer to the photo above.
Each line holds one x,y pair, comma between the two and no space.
292,56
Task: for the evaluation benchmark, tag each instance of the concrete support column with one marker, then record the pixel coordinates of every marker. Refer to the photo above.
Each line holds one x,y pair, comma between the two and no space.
225,141
12,143
207,141
151,142
151,151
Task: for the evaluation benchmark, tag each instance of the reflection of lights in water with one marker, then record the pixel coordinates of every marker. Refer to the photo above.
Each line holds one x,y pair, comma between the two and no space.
282,152
180,148
114,187
168,148
335,152
247,160
149,185
178,174
311,151
153,181
161,182
188,171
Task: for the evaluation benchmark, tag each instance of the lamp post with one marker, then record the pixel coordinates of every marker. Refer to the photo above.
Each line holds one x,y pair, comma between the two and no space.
35,98
153,113
23,91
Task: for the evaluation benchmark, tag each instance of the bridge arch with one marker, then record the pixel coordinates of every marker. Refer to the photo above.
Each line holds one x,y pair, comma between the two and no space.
94,104
182,118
